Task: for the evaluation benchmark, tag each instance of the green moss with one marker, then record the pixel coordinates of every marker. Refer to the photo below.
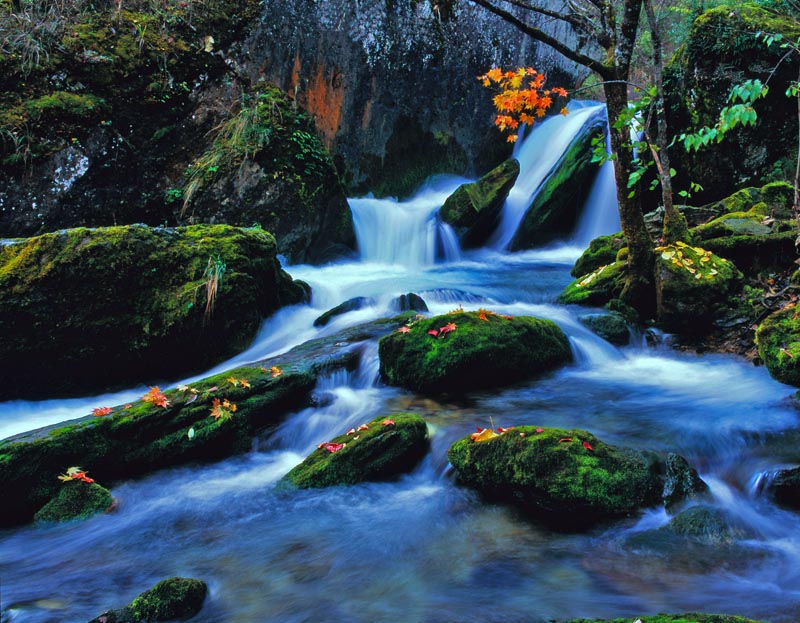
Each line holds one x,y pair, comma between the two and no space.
476,354
76,500
600,252
128,298
555,209
378,453
692,284
690,617
175,598
473,209
554,476
778,340
612,327
598,287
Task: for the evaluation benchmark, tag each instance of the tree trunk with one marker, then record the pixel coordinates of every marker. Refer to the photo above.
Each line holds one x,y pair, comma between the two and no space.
639,290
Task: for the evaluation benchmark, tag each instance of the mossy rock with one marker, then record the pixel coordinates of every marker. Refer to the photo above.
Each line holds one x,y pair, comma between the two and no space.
598,287
473,210
703,524
76,500
689,617
389,446
612,327
692,285
785,488
476,354
171,599
358,302
600,252
555,210
774,199
778,340
83,310
568,478
142,437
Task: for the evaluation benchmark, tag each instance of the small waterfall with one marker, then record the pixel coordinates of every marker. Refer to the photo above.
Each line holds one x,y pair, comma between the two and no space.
600,214
407,233
538,153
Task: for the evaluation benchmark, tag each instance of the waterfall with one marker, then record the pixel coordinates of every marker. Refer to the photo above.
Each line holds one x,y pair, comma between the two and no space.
600,214
409,233
538,154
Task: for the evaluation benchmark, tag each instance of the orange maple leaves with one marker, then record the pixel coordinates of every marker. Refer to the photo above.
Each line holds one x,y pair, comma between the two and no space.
156,396
522,97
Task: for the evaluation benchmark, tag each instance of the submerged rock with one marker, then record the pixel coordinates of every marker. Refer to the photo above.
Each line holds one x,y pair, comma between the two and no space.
76,500
556,208
778,341
692,285
463,351
349,305
83,310
174,598
703,524
601,251
384,448
785,487
473,210
214,418
567,478
689,617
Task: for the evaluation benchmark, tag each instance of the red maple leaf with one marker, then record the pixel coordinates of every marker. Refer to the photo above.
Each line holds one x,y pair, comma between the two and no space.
101,411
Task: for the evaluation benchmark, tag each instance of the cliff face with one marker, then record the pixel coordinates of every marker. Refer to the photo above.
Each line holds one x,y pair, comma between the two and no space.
391,85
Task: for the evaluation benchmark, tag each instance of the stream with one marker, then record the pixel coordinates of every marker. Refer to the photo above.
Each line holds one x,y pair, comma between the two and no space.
422,549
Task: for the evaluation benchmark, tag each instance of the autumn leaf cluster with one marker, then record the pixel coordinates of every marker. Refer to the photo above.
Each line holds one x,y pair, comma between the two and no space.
521,97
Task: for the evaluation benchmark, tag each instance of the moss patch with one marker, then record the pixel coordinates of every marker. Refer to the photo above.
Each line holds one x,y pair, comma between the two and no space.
555,477
778,340
111,306
473,210
598,287
387,447
477,353
600,252
76,500
174,598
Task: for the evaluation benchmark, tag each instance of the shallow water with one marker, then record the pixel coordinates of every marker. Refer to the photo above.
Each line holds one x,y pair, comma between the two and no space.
422,549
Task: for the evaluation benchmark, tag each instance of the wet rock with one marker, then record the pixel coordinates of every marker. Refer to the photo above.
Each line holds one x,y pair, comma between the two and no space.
556,208
473,210
83,310
349,305
681,481
460,352
688,617
704,524
386,447
174,598
785,487
598,287
76,500
410,302
600,252
692,286
612,327
778,341
567,478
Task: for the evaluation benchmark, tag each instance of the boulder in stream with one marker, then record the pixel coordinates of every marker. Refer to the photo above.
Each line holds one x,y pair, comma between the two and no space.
601,251
785,487
76,499
379,450
353,304
611,326
567,478
174,598
473,210
598,287
410,302
84,310
463,351
778,340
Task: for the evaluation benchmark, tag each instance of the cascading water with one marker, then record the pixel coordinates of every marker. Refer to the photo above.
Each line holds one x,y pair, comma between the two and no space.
600,215
420,548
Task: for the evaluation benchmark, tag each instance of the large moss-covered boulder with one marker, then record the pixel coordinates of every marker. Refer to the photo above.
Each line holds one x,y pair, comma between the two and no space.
83,310
600,252
473,210
214,418
171,599
565,477
778,340
598,287
76,500
725,47
381,449
689,617
692,285
556,208
462,351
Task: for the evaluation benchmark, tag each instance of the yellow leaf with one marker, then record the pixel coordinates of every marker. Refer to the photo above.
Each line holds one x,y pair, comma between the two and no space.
485,435
245,383
233,381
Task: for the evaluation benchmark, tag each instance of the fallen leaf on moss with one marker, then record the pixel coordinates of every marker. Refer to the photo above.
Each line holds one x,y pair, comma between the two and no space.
156,397
275,371
387,422
448,328
363,427
484,434
101,411
331,447
404,330
588,446
433,332
565,440
352,431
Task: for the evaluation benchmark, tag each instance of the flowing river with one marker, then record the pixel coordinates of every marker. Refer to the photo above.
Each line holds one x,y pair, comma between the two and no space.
422,549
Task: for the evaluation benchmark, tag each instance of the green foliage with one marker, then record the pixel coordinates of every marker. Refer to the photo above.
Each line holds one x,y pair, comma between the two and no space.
778,340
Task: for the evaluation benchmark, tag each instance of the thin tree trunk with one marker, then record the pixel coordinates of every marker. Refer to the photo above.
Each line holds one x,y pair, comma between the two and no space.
639,292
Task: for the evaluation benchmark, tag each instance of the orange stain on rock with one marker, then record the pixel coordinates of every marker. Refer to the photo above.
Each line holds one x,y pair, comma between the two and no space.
324,99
